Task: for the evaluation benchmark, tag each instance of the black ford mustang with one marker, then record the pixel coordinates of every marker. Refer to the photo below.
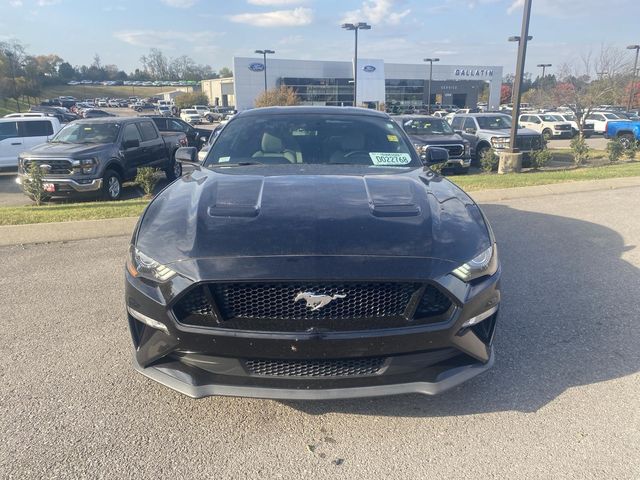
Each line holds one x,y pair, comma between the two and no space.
312,255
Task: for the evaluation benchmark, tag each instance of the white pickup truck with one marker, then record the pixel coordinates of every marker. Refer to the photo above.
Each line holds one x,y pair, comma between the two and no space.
18,134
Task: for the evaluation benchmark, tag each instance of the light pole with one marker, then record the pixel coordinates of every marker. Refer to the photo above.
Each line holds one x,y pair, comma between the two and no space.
264,54
355,27
522,54
632,93
430,60
544,68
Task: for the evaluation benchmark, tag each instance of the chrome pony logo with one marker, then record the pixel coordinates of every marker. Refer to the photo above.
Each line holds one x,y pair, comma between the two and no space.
316,302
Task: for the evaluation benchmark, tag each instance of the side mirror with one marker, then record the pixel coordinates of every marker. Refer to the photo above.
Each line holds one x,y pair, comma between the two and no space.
127,144
435,155
203,139
459,132
471,131
187,155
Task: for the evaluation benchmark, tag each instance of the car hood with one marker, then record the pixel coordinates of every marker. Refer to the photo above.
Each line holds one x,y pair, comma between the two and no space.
436,139
67,149
507,132
321,210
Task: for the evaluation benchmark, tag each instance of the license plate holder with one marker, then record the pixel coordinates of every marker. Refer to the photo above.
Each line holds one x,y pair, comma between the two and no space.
49,187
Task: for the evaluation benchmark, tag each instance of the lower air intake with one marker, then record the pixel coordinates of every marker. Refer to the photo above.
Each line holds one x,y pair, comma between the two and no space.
349,367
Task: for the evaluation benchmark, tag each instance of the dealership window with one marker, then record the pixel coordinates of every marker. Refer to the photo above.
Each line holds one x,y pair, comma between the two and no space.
321,91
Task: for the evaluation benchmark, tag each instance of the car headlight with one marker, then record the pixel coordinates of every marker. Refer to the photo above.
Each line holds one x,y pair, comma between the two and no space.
467,149
141,265
486,263
500,142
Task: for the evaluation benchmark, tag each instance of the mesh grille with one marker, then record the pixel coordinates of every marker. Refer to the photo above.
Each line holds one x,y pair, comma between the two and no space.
432,303
56,166
454,150
272,306
278,301
315,368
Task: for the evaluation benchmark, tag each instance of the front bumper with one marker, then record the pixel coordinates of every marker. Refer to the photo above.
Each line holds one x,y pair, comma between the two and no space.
418,358
68,185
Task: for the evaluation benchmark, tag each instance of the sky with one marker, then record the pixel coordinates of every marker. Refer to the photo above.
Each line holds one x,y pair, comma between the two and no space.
212,32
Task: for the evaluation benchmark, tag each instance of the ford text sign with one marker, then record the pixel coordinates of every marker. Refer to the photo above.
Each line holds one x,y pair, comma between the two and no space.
256,67
369,68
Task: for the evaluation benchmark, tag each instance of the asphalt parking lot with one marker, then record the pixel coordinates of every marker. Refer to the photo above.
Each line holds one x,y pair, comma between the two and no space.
561,401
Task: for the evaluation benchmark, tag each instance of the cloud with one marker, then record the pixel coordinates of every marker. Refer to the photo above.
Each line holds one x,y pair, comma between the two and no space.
277,18
180,3
15,3
291,40
48,3
378,12
275,3
168,40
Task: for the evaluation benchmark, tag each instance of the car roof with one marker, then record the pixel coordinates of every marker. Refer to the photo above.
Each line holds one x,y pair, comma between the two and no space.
268,111
110,120
427,117
28,119
476,115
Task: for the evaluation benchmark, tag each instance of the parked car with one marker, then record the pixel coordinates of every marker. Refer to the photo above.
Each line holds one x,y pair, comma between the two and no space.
164,111
429,131
204,151
28,115
18,134
95,156
190,115
202,110
113,103
196,137
548,125
140,106
95,113
493,130
312,256
625,131
570,118
600,119
61,113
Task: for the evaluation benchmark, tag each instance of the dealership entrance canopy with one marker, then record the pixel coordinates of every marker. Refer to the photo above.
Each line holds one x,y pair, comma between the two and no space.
319,82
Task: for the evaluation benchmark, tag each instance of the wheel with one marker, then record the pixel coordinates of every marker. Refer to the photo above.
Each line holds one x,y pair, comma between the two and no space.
626,139
209,118
462,170
111,185
174,171
547,134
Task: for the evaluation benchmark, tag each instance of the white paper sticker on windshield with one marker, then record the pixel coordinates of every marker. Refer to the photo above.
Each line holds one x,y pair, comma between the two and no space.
381,158
224,159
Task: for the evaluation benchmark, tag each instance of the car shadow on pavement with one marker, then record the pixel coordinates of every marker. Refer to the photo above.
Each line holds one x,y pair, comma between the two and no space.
567,319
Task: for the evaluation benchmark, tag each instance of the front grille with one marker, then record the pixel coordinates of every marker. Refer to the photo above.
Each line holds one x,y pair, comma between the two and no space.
563,127
349,367
455,151
340,306
528,142
57,167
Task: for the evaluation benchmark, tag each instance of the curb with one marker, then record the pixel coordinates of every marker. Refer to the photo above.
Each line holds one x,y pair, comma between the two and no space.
116,227
66,231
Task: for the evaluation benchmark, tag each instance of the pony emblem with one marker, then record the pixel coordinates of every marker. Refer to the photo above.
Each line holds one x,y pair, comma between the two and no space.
316,302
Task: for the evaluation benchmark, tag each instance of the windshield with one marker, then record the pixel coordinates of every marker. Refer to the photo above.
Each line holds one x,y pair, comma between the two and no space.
550,118
312,139
611,116
88,133
191,112
427,126
499,122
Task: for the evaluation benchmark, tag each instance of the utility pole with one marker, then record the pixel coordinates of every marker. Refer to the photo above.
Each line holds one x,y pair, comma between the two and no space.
632,93
430,60
544,68
264,56
355,27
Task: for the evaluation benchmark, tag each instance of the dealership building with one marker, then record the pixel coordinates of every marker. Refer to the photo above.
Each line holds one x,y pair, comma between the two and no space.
319,82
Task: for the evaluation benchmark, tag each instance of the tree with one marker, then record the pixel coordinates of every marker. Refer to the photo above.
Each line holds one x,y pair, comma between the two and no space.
581,92
156,64
282,96
66,71
186,100
225,72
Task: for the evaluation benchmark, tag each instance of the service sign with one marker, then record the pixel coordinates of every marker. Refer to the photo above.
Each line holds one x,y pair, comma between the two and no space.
256,67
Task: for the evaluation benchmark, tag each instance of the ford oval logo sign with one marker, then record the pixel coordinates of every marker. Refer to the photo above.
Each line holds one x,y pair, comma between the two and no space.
369,68
256,67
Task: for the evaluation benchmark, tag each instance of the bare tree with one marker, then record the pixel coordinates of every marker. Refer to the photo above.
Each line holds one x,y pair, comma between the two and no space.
594,80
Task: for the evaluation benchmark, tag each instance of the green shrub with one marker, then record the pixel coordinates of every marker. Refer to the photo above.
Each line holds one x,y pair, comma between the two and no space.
147,179
615,150
33,185
187,100
631,151
580,150
541,158
489,160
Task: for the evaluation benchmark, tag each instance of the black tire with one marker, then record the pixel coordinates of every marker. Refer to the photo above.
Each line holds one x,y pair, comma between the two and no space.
462,170
626,139
209,118
111,185
547,134
173,171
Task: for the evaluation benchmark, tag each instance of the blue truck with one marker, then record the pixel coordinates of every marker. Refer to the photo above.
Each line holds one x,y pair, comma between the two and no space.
625,131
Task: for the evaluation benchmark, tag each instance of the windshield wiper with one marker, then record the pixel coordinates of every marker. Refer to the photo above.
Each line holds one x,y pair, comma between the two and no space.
239,164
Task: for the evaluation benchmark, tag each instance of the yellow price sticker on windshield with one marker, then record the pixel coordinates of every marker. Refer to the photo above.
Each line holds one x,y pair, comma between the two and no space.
392,138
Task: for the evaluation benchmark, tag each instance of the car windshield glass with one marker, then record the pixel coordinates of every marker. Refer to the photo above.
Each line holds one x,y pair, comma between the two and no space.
88,133
427,126
611,116
191,112
549,118
312,139
494,123
569,118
